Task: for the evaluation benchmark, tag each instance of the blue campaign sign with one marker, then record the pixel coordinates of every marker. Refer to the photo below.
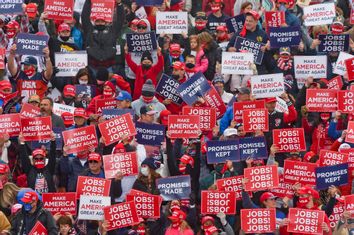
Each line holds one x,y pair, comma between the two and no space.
113,113
254,147
250,46
139,42
284,36
85,90
333,42
218,151
236,23
149,134
167,88
31,44
11,7
149,2
175,187
58,138
193,88
336,175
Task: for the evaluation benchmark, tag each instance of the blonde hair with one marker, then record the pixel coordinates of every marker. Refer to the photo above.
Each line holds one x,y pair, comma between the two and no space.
206,38
8,194
184,226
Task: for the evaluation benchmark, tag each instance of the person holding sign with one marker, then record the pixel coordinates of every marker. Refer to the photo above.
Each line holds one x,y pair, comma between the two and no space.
179,224
146,181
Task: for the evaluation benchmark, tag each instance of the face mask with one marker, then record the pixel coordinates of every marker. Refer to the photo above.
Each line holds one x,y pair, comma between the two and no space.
190,65
107,94
30,71
222,37
27,207
39,164
204,227
100,27
11,33
141,230
215,8
175,55
200,25
81,155
337,28
175,76
182,169
303,201
146,66
65,38
145,171
282,7
147,99
81,82
68,100
175,224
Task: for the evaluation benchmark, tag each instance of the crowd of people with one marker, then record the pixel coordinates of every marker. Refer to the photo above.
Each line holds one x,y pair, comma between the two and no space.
28,170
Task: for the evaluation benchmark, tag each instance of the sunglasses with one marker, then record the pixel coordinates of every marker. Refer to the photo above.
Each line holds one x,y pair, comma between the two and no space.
93,161
141,27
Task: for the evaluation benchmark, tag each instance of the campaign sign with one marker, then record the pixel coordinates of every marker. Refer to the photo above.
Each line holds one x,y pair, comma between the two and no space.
171,22
13,7
31,44
126,163
269,85
331,175
38,229
213,100
121,215
2,57
299,172
289,140
102,8
346,101
336,214
139,42
59,202
284,189
84,91
284,36
335,83
59,9
330,158
29,111
206,115
255,120
235,24
333,42
113,113
340,67
167,88
59,109
147,205
238,108
310,66
349,204
10,124
258,220
349,64
92,186
261,178
350,132
304,221
149,134
252,47
149,2
38,128
117,128
80,139
183,126
237,63
231,184
253,147
193,88
58,140
274,19
175,187
105,104
319,14
70,63
281,105
91,207
214,202
321,100
219,151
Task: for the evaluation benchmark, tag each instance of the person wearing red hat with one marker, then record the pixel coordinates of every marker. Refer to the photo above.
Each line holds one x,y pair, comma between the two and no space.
5,87
178,224
68,119
109,92
80,117
172,55
217,17
222,34
164,116
291,20
4,173
68,95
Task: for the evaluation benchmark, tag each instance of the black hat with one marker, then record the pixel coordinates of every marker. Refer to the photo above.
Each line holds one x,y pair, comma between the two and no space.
146,56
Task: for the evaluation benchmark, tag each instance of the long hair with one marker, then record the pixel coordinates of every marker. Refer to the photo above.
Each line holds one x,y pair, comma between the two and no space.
205,37
145,179
195,37
8,195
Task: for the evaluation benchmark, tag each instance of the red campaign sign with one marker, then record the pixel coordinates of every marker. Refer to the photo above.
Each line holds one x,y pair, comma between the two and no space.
59,202
274,18
299,172
102,8
92,186
240,106
261,178
214,202
305,221
350,132
207,116
284,189
336,214
38,229
349,63
231,184
321,100
289,140
350,153
335,83
346,101
29,111
80,139
141,193
10,124
258,220
349,204
59,9
126,163
2,58
121,215
255,119
38,128
105,104
114,129
183,126
147,206
213,100
330,158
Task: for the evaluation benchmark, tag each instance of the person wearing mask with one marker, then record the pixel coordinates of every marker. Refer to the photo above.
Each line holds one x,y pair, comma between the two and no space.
68,119
219,85
146,181
68,97
109,92
124,100
211,51
34,100
200,24
179,224
217,16
290,18
13,28
173,55
46,109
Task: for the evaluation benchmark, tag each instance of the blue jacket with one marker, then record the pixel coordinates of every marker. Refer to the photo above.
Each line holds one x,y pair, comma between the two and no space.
291,19
226,119
72,167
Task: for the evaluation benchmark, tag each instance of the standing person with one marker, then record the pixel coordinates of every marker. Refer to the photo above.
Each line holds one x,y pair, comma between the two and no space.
46,107
146,180
217,17
211,51
179,224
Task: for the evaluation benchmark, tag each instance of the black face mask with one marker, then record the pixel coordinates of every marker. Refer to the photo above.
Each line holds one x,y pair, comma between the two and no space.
146,66
65,38
190,65
68,100
175,76
100,27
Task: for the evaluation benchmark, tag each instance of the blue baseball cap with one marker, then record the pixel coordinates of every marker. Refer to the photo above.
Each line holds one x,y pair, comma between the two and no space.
124,95
30,60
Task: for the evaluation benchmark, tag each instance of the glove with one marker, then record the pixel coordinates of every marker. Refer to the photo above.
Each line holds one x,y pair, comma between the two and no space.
222,218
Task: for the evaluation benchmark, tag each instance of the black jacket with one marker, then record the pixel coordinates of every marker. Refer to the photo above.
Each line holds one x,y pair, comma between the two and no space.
212,54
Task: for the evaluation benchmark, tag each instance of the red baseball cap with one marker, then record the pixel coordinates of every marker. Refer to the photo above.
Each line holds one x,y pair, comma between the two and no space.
31,10
5,84
210,230
175,47
208,218
29,197
254,14
100,17
4,168
68,118
119,148
308,156
310,191
178,215
186,159
64,27
164,116
178,65
69,90
94,157
39,152
271,100
80,112
266,196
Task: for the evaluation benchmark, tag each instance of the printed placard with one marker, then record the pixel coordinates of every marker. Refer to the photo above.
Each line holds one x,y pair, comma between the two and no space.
335,83
149,2
214,202
115,129
340,67
281,105
253,147
102,104
92,186
150,134
183,126
310,66
321,100
147,205
284,189
83,91
2,56
175,187
238,108
219,151
38,128
59,109
70,63
258,220
113,113
305,221
31,44
206,115
284,36
59,9
139,42
167,88
29,111
289,140
91,207
331,175
349,65
102,8
171,22
319,14
237,63
235,24
231,184
38,229
299,172
121,215
330,158
336,214
10,124
252,47
269,85
261,178
59,202
213,100
346,101
80,139
255,120
349,204
11,7
58,139
333,42
126,163
274,19
350,132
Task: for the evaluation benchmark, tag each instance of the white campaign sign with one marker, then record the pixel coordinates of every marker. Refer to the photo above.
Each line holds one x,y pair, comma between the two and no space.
59,109
319,14
267,85
306,66
171,22
281,105
91,207
340,67
237,63
70,63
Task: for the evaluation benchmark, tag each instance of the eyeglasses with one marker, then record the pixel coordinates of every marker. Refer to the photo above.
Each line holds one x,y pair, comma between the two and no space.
141,27
93,161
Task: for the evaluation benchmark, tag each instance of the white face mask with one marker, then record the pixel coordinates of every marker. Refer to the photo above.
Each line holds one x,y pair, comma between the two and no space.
83,82
144,171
